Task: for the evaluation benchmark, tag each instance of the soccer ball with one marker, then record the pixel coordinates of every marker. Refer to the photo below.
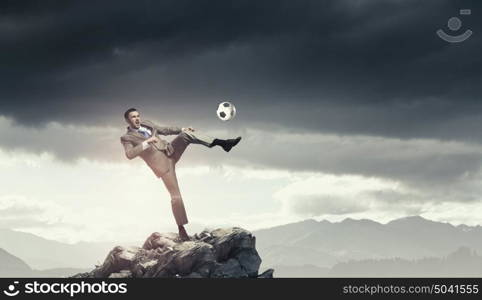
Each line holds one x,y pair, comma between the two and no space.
226,111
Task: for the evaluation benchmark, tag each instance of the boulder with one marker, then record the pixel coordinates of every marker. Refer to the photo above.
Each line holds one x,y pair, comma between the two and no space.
219,253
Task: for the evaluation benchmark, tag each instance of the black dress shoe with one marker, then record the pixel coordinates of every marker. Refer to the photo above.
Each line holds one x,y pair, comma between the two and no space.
231,143
226,144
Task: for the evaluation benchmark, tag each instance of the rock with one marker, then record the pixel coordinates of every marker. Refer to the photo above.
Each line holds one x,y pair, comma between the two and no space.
267,274
118,259
231,268
158,240
121,274
220,253
230,241
250,261
194,275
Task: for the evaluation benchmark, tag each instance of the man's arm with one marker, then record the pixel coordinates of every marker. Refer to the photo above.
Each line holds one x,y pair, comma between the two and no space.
164,130
132,151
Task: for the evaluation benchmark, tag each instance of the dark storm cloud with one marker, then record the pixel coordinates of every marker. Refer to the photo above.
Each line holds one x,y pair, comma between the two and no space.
371,67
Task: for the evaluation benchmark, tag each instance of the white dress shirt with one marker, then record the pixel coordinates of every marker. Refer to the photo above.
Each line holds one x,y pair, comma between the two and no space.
145,144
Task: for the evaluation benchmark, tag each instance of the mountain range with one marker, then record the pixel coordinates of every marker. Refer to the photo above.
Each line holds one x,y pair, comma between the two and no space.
463,262
306,247
41,253
324,243
12,266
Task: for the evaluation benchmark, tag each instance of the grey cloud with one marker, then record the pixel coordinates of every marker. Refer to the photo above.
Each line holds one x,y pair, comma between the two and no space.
67,143
424,163
20,211
316,205
427,164
28,222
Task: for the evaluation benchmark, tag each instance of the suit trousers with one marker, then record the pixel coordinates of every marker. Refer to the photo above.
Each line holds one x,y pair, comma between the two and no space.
180,144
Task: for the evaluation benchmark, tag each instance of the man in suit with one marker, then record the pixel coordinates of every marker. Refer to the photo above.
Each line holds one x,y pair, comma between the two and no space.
142,139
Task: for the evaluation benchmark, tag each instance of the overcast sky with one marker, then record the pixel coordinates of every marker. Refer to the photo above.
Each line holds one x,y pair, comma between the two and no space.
347,108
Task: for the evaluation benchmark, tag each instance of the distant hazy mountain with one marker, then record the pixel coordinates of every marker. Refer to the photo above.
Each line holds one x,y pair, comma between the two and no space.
303,271
324,243
464,262
12,266
40,253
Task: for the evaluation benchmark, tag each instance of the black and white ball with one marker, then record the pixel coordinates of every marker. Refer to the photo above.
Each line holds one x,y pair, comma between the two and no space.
226,111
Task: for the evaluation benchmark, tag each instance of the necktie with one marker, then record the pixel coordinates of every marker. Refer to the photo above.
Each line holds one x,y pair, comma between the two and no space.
145,134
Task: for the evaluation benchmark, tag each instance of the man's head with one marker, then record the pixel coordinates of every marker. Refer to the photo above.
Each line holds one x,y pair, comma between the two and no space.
133,118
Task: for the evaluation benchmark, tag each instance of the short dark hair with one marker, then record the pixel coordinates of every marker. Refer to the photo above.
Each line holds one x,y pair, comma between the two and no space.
126,114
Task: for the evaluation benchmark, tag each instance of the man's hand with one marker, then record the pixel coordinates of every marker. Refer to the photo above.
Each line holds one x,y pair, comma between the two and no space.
187,129
151,140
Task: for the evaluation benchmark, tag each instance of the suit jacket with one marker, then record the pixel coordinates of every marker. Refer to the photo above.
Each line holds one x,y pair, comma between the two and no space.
156,156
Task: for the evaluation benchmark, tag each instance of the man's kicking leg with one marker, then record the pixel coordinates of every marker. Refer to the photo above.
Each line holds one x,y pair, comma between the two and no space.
194,137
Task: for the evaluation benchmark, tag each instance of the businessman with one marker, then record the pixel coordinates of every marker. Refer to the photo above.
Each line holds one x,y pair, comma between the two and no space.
142,139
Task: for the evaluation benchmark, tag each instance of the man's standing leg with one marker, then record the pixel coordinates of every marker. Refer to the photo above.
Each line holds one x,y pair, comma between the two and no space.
178,209
179,145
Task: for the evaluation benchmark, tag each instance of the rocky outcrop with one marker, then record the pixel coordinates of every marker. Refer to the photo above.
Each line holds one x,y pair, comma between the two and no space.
220,253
